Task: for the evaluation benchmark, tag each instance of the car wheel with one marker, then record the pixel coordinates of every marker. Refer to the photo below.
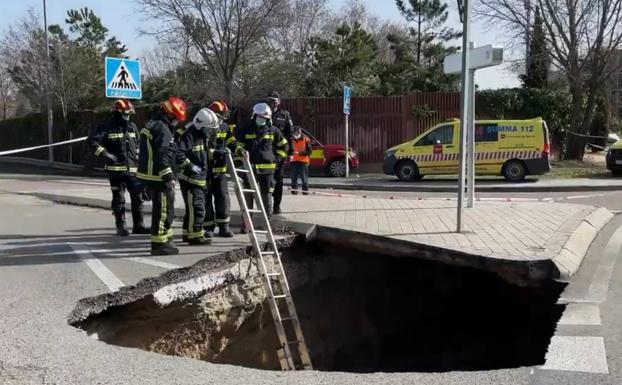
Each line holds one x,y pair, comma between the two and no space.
337,168
514,171
408,171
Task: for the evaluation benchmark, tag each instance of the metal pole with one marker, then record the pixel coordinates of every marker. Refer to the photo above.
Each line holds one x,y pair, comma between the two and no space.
48,95
71,148
464,108
347,147
471,139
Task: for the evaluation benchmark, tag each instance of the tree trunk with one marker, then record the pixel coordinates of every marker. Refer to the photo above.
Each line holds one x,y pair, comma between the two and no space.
419,39
575,145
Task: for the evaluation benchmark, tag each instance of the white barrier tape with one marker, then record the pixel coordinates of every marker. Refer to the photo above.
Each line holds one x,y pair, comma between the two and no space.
42,146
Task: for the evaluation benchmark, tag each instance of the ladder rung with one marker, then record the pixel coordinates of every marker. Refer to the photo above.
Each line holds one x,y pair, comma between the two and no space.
273,274
261,232
241,170
247,190
293,342
255,211
280,296
288,319
267,253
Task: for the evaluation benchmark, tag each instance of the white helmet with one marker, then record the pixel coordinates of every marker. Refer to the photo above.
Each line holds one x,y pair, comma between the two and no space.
263,110
206,118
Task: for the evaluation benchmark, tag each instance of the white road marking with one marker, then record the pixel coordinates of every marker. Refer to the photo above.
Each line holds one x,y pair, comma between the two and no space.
101,271
153,262
599,287
577,354
585,196
581,314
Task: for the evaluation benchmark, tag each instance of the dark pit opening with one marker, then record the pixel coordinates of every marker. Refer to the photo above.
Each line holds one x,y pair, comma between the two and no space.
359,313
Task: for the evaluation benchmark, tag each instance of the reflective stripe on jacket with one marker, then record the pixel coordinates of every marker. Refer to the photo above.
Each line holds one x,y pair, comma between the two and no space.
119,138
192,151
157,152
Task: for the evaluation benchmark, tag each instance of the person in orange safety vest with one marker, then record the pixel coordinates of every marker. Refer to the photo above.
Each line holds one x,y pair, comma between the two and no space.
300,146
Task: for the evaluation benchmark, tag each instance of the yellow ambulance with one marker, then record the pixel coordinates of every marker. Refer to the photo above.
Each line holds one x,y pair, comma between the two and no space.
511,148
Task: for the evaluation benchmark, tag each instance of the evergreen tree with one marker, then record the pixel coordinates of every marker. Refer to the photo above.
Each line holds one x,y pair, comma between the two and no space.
539,58
349,56
428,17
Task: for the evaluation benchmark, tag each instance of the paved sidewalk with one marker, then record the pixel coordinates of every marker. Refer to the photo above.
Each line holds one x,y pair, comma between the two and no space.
546,239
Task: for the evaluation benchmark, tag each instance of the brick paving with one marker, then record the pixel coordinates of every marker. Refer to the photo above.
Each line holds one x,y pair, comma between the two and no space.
516,231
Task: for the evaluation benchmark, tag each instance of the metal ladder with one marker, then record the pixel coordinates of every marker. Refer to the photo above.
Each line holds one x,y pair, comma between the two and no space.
273,275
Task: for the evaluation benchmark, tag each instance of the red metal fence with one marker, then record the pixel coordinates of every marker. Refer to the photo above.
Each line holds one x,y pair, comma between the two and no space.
376,123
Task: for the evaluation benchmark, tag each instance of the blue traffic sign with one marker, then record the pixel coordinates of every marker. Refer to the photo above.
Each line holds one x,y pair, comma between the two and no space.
123,78
347,96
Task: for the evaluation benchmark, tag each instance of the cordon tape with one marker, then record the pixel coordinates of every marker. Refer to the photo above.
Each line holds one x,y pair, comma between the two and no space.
9,152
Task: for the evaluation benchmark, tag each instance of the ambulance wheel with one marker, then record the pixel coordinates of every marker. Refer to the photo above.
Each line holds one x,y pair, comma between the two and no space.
514,171
407,171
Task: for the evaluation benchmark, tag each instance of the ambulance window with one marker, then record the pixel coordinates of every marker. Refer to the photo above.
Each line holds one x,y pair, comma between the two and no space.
441,135
486,132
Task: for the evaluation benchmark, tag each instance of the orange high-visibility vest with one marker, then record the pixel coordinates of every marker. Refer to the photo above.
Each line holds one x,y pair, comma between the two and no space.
301,146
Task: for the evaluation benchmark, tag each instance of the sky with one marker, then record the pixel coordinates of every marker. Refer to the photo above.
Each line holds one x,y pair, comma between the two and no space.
122,19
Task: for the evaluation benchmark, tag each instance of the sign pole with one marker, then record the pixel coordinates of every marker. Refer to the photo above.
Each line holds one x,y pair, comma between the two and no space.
48,96
347,97
464,109
471,140
347,149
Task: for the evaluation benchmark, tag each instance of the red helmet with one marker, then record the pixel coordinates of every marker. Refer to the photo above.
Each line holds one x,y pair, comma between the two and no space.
123,106
221,109
176,107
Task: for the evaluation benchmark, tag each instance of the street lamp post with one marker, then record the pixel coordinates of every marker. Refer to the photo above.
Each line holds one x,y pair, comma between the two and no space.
48,91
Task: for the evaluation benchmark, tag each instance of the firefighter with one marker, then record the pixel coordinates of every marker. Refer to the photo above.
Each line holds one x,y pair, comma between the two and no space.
300,149
283,121
218,203
192,159
116,141
155,168
265,146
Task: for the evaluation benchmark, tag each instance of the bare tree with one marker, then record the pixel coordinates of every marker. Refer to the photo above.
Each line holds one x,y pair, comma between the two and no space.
220,31
585,37
7,93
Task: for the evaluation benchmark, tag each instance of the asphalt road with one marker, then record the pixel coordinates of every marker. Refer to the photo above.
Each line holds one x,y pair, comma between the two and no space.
52,255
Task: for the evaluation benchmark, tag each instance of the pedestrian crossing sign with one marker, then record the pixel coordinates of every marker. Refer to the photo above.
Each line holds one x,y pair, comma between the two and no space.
123,78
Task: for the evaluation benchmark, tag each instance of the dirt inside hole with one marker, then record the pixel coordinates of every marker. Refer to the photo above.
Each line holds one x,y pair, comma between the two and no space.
359,313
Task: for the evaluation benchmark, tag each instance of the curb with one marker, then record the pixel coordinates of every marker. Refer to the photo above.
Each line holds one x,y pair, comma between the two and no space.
395,186
572,253
454,189
236,220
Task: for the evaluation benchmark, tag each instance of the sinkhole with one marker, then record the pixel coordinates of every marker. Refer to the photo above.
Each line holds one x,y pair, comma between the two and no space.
359,313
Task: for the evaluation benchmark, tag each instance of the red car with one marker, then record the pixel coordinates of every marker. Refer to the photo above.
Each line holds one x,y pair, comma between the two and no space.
329,159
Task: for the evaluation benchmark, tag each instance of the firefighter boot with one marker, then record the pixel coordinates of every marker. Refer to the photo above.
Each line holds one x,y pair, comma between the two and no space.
163,249
138,224
224,230
200,241
209,231
119,219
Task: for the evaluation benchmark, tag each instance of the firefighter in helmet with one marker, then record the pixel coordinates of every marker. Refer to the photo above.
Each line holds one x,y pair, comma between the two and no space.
218,202
116,142
193,161
266,147
155,169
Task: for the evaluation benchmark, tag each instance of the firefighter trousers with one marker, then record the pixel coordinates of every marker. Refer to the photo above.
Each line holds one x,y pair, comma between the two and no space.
217,202
266,188
119,182
278,183
194,203
163,201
